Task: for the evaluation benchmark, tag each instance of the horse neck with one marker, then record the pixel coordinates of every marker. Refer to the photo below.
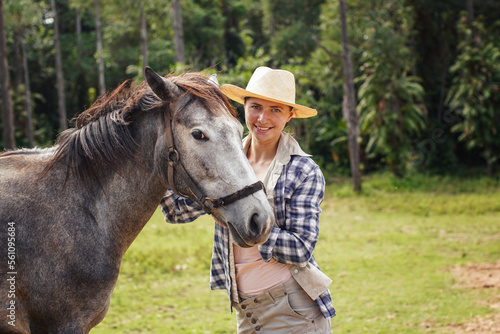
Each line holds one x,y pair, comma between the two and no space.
130,196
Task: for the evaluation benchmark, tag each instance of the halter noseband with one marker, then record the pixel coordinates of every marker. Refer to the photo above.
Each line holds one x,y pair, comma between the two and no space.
174,163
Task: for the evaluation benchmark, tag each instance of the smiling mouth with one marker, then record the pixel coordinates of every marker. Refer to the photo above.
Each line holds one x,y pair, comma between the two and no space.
262,129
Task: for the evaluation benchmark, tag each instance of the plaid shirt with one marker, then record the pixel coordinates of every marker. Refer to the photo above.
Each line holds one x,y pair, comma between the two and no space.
298,194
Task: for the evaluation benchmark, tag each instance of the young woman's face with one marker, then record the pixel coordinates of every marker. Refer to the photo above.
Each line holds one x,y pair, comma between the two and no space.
266,119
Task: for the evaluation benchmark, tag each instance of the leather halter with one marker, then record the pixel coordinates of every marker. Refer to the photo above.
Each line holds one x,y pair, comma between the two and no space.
174,163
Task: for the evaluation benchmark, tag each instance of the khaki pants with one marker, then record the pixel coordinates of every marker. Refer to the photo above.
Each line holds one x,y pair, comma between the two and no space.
284,309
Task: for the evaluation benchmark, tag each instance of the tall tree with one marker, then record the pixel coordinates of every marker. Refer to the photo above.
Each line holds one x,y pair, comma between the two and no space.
61,98
390,99
349,104
27,94
178,31
24,18
290,23
100,61
234,44
78,24
474,93
7,113
470,11
144,36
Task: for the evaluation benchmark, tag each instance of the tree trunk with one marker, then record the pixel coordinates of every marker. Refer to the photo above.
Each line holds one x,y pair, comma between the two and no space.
17,75
178,32
490,161
27,94
78,25
491,169
7,112
268,16
470,18
349,103
61,99
470,11
144,37
100,61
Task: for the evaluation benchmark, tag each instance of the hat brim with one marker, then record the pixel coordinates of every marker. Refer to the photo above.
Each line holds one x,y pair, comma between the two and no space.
238,94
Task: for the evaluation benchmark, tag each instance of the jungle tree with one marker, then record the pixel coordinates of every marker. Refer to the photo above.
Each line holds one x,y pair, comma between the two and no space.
349,104
61,95
390,108
7,114
475,94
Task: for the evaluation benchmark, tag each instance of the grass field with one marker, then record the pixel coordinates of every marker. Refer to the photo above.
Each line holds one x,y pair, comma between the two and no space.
388,250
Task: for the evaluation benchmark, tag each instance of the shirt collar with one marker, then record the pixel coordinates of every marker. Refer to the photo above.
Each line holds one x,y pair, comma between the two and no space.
287,147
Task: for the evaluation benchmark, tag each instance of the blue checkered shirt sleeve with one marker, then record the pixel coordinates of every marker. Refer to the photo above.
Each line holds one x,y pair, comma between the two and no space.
179,210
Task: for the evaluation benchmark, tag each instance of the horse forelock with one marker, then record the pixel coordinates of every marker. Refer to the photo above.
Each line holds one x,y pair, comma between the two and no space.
204,91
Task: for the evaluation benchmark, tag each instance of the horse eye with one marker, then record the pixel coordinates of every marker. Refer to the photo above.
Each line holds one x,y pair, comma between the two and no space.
198,135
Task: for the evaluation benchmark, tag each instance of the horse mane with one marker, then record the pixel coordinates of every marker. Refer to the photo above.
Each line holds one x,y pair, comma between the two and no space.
102,134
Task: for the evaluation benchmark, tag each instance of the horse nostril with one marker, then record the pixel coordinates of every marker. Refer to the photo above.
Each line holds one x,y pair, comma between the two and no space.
254,227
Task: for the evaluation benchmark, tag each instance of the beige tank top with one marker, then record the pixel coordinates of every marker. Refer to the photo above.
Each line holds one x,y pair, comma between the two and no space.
253,275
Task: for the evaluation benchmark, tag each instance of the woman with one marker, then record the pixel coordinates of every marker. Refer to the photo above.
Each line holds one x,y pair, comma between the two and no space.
275,287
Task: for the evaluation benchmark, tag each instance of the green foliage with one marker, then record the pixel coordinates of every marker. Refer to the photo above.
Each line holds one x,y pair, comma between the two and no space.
40,127
290,25
22,16
391,113
390,116
474,94
203,33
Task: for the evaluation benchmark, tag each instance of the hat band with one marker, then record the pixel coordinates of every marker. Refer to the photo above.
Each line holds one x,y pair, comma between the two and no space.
272,94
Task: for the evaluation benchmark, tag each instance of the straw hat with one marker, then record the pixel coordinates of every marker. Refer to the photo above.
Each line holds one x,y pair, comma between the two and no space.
271,85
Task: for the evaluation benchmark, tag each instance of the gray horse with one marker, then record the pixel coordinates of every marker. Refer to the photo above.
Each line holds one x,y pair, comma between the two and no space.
69,213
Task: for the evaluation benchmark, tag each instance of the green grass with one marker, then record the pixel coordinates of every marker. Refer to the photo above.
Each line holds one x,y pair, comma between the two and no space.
388,251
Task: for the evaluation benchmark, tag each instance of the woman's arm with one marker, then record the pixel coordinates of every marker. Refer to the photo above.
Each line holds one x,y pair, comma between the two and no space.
294,241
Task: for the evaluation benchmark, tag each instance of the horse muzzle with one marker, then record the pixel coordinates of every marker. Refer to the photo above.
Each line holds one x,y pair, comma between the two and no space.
255,232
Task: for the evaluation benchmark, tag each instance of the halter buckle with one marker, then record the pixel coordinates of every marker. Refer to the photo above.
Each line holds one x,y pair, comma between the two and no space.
208,204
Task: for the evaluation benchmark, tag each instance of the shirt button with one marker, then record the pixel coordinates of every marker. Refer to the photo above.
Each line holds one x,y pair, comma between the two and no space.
253,321
257,328
249,315
243,307
296,270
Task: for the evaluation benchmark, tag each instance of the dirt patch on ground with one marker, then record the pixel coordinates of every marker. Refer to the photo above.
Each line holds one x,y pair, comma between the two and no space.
479,276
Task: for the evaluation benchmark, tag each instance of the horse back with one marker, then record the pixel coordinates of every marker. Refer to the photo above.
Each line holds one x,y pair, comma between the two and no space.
43,220
23,165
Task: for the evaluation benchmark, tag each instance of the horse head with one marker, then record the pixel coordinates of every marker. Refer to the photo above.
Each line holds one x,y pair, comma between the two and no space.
201,156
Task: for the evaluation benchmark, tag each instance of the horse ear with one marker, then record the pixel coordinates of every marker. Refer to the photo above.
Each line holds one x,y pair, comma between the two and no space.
163,88
213,79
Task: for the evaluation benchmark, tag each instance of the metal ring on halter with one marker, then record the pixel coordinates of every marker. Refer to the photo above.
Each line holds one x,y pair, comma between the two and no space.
173,156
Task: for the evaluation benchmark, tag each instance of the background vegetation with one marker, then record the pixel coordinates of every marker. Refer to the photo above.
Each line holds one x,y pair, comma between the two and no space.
426,72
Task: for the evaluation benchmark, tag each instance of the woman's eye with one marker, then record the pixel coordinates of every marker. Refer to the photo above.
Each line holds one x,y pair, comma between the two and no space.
198,135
